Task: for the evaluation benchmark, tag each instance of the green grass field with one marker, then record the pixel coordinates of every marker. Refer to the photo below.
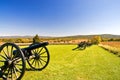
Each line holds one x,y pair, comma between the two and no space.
93,63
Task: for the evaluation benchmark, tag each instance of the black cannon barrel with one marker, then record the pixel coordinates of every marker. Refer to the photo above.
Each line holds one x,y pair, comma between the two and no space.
31,47
36,45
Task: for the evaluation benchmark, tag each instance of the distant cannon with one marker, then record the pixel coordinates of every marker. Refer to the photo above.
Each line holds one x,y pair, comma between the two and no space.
82,45
13,59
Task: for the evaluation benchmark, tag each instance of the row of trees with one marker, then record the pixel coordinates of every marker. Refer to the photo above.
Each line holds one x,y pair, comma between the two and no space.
16,40
98,39
111,39
93,40
21,40
35,39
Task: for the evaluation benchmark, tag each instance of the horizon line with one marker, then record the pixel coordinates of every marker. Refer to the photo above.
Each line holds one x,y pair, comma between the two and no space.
54,35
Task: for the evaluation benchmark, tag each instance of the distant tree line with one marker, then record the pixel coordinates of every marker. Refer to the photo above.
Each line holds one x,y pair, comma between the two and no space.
21,40
111,39
98,39
16,40
36,39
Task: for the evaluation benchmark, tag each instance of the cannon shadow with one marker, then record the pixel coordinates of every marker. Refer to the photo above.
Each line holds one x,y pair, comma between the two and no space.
29,69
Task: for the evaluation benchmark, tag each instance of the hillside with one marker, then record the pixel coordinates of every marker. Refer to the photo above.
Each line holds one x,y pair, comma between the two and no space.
90,36
74,36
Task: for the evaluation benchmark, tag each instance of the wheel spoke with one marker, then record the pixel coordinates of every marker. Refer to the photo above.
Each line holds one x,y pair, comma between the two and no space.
37,50
12,74
42,53
8,72
11,51
43,60
43,56
17,60
33,61
14,70
34,51
4,68
8,51
18,64
30,59
17,69
40,62
3,57
40,50
2,61
5,53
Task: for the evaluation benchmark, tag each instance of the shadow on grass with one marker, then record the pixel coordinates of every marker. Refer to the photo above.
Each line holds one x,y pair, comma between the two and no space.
79,48
29,69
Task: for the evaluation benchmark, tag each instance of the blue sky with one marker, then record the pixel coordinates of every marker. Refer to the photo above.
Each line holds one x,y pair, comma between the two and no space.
59,17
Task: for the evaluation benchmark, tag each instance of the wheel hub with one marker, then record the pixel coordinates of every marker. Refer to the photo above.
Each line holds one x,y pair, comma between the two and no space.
9,63
37,56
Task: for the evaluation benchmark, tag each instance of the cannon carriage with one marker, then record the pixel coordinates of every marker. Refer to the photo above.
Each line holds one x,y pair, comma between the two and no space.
82,45
13,59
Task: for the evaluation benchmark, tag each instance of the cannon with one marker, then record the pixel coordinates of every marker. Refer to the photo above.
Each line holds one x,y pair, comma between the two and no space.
82,45
13,59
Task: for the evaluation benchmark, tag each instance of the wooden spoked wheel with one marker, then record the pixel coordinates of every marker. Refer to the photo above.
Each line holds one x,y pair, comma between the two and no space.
41,58
12,62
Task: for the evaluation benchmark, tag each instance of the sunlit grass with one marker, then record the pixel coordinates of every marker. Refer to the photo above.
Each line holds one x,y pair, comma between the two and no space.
94,63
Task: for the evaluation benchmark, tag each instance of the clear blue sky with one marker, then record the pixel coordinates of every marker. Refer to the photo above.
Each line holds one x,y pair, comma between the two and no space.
59,17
